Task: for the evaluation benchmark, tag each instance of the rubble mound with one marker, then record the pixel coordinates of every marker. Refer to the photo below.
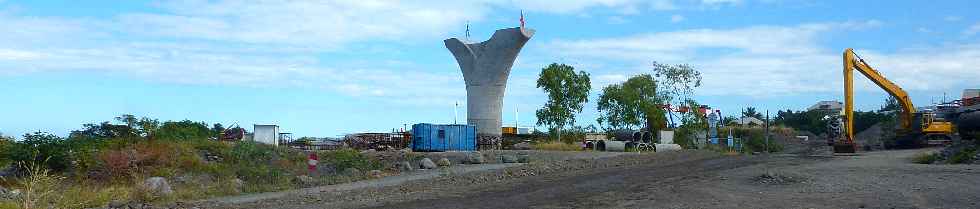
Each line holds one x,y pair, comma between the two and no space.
777,179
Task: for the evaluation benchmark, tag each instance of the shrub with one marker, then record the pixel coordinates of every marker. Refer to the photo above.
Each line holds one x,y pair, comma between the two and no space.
349,158
185,130
965,156
753,139
38,186
925,158
251,152
40,148
556,146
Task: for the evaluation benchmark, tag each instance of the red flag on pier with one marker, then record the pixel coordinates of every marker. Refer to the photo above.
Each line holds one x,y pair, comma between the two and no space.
522,19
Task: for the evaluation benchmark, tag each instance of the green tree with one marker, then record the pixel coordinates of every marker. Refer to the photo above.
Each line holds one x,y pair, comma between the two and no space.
677,82
184,130
6,143
751,112
217,129
41,148
891,104
567,92
631,104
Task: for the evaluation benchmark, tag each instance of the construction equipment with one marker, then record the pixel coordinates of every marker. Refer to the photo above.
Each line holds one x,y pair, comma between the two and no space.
915,127
233,133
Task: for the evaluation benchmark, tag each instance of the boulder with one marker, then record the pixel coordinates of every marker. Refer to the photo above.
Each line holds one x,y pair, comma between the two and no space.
475,158
508,159
305,180
427,164
14,194
238,185
5,194
157,186
444,162
116,204
138,205
404,166
326,169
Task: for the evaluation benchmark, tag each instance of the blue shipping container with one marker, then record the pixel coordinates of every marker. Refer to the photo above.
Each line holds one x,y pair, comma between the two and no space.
436,138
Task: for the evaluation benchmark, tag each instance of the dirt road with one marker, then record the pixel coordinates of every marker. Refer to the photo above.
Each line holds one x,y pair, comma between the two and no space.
681,180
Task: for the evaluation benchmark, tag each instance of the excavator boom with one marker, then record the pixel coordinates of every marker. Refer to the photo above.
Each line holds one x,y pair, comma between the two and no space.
853,62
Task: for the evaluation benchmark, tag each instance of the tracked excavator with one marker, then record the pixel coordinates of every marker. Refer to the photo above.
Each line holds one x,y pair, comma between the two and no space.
915,128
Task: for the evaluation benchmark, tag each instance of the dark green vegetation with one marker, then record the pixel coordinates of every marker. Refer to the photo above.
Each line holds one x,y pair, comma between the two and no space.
107,161
813,122
639,102
567,93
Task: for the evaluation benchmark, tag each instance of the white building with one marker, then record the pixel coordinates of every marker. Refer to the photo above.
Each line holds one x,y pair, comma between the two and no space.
266,134
749,121
829,106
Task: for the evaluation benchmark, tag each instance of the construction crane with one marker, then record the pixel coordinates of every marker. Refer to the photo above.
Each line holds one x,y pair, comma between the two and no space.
914,126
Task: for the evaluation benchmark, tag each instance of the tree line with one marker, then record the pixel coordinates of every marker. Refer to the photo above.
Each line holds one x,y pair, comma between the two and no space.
638,103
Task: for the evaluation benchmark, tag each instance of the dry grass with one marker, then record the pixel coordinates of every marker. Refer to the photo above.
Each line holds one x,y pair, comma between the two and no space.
556,146
39,187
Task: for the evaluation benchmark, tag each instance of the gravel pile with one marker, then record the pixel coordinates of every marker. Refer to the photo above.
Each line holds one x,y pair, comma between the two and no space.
778,179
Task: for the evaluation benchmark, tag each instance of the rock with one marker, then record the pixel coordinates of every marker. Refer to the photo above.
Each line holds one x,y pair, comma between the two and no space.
404,166
522,146
157,186
14,194
238,185
375,174
326,169
427,164
475,158
134,205
352,171
114,204
444,162
3,192
508,159
305,180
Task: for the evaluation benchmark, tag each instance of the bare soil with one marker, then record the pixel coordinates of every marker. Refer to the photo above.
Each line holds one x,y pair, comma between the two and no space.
687,179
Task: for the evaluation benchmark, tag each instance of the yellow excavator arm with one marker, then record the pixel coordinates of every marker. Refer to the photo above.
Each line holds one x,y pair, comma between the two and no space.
854,62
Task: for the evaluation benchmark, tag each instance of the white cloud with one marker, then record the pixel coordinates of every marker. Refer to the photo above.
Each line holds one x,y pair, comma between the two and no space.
972,30
36,44
568,6
327,24
772,60
952,18
662,5
680,45
717,2
624,7
617,20
9,54
676,18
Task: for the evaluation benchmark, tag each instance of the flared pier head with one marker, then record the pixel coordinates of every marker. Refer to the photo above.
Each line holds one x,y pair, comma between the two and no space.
486,66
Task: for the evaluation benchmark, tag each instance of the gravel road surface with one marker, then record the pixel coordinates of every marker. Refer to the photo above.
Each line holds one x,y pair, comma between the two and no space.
687,179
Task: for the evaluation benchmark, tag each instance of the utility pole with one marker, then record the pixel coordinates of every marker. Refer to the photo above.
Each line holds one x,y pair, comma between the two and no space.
456,113
767,131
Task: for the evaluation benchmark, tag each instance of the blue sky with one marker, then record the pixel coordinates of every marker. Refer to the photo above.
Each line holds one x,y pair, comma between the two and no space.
334,67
